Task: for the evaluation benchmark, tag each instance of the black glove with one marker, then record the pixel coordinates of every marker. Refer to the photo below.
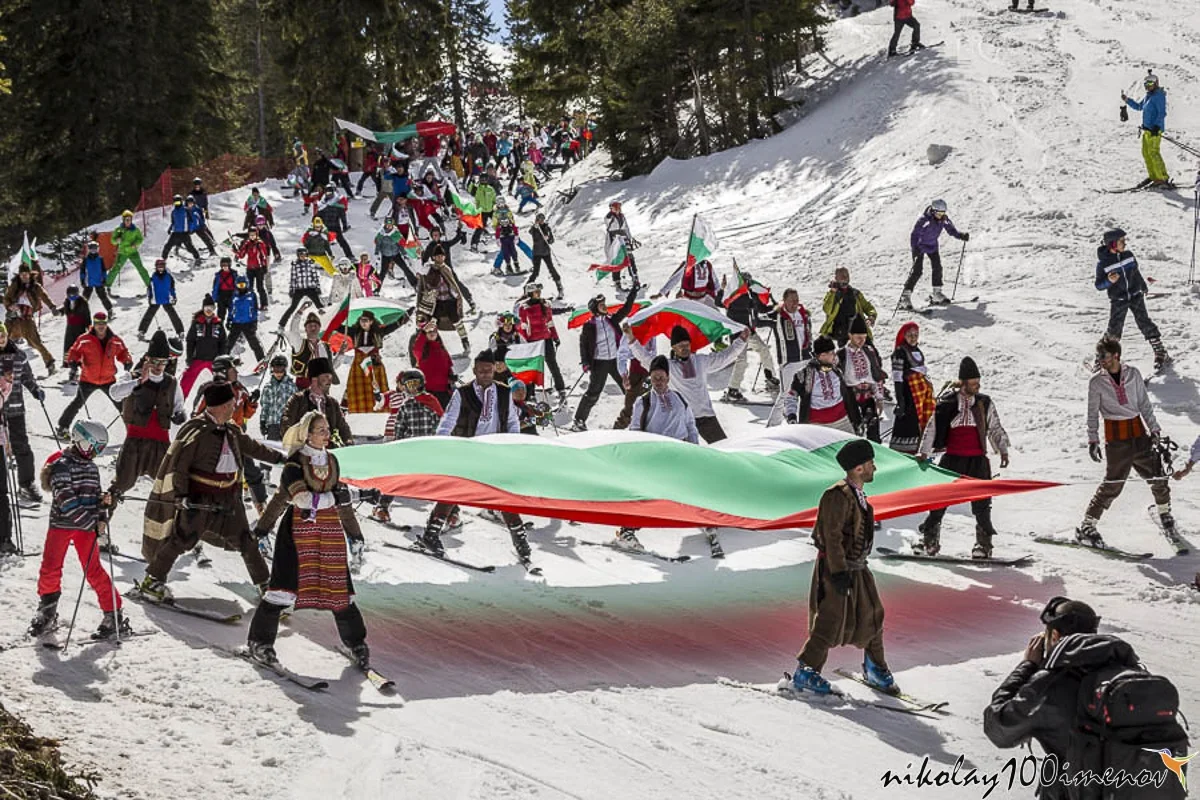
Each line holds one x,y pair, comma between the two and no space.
255,395
966,237
841,582
1155,438
791,418
1154,131
40,395
260,533
178,418
1095,452
341,494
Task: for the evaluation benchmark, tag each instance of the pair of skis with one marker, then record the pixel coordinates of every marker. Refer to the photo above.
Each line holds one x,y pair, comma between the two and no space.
896,555
908,704
382,684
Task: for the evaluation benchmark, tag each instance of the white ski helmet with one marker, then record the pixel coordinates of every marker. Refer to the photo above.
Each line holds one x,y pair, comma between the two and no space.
1150,81
344,264
939,206
89,437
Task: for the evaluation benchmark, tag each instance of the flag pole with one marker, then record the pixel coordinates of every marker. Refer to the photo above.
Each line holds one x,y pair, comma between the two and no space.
687,248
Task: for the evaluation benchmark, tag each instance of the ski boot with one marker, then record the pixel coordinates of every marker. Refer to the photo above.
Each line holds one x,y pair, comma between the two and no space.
381,514
471,309
262,653
879,677
466,344
29,493
905,296
202,559
937,298
51,368
64,437
362,655
520,542
772,381
1015,4
805,678
46,617
7,548
733,395
1087,535
577,426
104,544
559,294
154,590
931,539
714,544
627,539
1167,521
497,273
114,623
1161,358
431,539
983,535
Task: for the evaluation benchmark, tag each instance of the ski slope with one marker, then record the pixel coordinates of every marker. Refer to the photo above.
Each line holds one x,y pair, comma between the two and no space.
599,680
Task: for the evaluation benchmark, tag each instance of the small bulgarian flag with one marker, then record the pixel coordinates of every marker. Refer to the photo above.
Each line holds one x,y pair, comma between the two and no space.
702,242
747,285
527,362
582,316
28,255
465,208
704,325
618,259
337,340
412,249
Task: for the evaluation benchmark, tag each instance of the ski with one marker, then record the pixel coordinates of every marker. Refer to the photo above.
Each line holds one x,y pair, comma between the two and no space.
413,548
1137,188
932,307
914,703
832,700
628,551
888,553
381,683
26,640
1182,548
93,639
528,565
312,684
190,611
1029,10
129,556
758,403
1111,552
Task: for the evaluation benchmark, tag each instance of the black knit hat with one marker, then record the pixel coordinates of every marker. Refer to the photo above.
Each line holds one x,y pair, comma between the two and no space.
208,301
967,369
859,324
1113,235
158,346
317,367
659,363
218,394
485,357
855,453
679,335
823,344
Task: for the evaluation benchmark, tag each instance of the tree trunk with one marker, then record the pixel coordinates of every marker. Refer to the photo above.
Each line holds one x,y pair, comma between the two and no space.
456,87
262,106
698,102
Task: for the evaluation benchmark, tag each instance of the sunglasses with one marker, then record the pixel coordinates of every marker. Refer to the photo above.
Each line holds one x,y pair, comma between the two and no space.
156,362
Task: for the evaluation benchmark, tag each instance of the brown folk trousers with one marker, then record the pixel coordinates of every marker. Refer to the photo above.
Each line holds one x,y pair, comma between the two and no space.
1122,456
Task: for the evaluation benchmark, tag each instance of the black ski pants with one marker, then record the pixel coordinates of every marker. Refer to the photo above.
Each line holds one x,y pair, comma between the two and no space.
935,261
900,24
598,375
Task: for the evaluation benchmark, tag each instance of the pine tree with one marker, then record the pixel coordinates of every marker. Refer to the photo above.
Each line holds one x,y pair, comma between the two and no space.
472,77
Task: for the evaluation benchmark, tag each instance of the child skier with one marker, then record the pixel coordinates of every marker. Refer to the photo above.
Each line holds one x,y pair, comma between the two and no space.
924,242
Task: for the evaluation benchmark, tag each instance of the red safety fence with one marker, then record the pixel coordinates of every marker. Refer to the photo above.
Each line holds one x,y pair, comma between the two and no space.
220,175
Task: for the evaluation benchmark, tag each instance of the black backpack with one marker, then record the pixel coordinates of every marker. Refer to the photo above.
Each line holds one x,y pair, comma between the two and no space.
1122,712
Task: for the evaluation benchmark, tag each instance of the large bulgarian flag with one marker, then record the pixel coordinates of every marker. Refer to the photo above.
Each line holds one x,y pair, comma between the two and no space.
430,128
527,362
581,316
764,481
464,207
704,325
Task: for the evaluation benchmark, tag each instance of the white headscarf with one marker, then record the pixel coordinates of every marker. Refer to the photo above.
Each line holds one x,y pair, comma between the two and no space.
297,435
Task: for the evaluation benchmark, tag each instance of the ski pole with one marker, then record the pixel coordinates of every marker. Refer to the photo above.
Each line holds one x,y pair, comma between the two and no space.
53,430
896,310
1195,229
79,597
563,402
112,583
958,271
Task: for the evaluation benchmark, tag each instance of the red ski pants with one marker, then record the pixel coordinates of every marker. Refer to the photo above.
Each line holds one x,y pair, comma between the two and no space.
55,552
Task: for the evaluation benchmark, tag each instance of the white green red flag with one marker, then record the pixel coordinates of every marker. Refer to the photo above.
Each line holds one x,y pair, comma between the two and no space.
769,480
464,207
385,311
28,255
617,259
527,362
703,241
704,325
412,249
332,334
747,285
582,316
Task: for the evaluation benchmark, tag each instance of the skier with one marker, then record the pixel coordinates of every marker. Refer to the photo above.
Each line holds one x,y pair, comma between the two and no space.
332,211
862,369
77,313
537,325
127,239
24,299
224,286
256,253
1154,121
98,352
818,395
15,364
902,15
314,396
179,233
310,568
245,404
616,236
92,273
243,319
430,356
305,283
914,393
476,409
924,242
1118,274
276,390
699,282
842,304
368,279
543,237
151,401
793,344
78,514
506,234
844,607
388,241
197,495
257,206
413,411
689,374
198,224
1117,394
437,242
160,294
963,423
319,242
664,411
367,379
205,341
306,347
748,309
599,342
440,297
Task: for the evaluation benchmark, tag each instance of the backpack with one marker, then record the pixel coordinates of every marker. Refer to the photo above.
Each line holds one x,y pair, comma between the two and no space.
1122,711
646,406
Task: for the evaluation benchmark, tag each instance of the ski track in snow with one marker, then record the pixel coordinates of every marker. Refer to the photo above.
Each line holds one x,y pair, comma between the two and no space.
599,680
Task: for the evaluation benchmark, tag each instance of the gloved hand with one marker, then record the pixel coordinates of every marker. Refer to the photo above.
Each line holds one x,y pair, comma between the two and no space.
791,419
178,418
1156,438
255,395
341,494
1003,460
841,582
586,368
260,533
357,546
966,237
1095,452
40,394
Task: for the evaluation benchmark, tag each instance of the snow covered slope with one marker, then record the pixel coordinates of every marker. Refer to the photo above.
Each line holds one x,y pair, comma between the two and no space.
599,681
